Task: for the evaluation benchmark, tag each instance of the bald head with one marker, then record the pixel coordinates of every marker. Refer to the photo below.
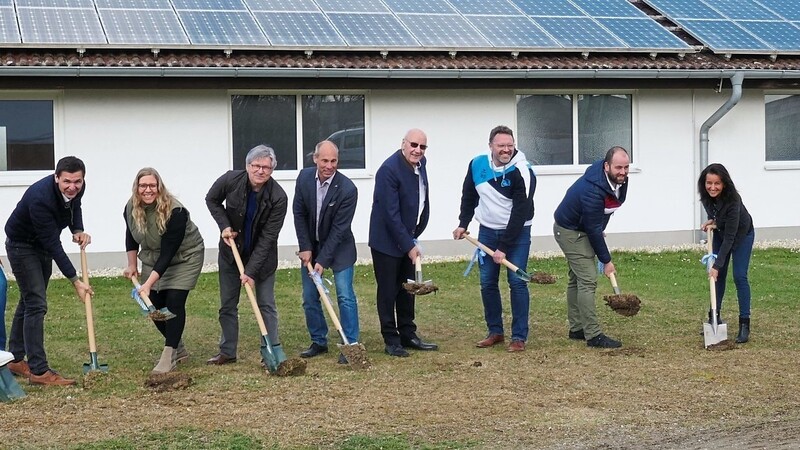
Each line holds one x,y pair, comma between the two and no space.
414,145
326,157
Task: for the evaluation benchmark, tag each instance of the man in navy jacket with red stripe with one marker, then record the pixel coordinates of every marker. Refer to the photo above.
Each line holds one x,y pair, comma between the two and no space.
400,211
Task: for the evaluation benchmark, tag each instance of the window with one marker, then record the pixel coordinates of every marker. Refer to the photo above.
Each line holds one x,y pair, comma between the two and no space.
566,129
26,135
783,136
293,125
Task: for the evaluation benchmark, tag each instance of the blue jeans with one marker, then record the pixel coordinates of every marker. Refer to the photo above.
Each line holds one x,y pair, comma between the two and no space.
32,268
3,299
490,291
348,306
740,254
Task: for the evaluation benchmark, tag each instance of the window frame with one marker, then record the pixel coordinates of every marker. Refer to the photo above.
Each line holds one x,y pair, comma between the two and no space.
576,168
28,177
777,165
291,174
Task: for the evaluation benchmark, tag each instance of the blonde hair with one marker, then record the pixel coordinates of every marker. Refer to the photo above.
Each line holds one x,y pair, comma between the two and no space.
163,204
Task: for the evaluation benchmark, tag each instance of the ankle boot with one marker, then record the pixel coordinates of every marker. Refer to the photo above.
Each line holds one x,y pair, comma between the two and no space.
180,355
166,363
744,330
719,317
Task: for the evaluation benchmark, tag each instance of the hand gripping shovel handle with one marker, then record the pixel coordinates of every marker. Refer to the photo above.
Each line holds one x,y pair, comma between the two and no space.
155,314
269,358
327,301
614,284
519,272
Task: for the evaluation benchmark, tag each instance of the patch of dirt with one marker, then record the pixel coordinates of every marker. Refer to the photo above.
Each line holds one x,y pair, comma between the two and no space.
722,346
291,367
624,304
94,378
356,355
625,351
420,288
543,278
170,381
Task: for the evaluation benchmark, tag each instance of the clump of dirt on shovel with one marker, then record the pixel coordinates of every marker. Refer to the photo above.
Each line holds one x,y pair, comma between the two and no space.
543,278
291,367
356,356
624,304
157,316
722,346
170,381
419,288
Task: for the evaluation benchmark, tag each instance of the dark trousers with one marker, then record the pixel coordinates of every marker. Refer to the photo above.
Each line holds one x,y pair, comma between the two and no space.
175,301
32,269
390,274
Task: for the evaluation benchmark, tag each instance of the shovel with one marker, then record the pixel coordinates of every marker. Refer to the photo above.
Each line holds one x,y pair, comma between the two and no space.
92,365
521,274
354,353
146,305
267,354
624,304
713,333
9,388
417,286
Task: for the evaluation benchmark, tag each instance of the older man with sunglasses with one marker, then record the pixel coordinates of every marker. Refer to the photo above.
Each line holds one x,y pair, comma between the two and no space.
400,210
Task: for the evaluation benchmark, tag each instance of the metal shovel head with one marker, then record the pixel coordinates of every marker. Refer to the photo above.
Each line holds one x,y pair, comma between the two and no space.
9,388
710,337
93,365
267,355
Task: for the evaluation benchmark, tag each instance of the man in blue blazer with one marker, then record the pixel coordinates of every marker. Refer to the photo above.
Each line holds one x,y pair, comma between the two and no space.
324,206
400,210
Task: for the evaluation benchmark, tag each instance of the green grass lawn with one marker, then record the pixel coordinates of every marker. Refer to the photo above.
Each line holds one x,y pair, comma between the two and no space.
555,393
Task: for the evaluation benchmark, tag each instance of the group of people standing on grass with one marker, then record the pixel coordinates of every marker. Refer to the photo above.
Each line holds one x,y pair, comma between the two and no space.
249,207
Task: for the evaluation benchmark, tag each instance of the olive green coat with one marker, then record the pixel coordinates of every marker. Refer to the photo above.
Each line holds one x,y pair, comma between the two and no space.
184,268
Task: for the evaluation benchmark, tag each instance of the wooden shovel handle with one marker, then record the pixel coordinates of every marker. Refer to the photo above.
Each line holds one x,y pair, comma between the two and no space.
418,269
250,294
87,301
327,302
612,276
489,251
144,297
712,286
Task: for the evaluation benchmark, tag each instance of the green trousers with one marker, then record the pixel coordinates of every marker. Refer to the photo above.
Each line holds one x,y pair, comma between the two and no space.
581,310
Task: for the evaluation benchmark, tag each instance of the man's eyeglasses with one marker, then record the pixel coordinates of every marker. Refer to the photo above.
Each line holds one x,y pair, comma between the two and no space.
151,186
417,144
258,167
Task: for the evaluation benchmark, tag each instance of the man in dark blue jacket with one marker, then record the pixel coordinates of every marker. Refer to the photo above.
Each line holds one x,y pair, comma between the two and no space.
33,242
324,206
580,221
400,211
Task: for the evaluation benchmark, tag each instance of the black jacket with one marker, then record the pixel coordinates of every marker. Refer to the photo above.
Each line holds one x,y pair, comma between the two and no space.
232,188
733,223
40,216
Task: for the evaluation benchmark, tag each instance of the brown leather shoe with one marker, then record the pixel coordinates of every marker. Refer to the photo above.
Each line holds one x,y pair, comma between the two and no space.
20,368
492,339
50,378
516,346
220,359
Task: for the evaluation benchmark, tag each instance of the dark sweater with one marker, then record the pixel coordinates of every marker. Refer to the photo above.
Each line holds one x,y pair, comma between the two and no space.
39,218
733,223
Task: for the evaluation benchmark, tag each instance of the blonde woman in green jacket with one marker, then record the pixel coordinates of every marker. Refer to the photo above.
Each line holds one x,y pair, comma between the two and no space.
171,249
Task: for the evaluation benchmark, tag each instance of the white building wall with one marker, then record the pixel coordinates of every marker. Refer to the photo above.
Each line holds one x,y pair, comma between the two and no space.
186,135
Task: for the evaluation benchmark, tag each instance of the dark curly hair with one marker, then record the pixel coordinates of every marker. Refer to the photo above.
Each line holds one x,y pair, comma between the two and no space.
729,191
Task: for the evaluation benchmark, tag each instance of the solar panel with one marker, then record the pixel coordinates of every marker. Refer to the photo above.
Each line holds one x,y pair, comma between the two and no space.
512,32
9,33
787,9
722,35
420,6
578,32
443,30
210,5
779,35
55,4
60,26
221,28
282,5
609,8
134,4
643,33
4,3
352,6
684,9
559,8
493,7
298,29
137,26
742,10
373,30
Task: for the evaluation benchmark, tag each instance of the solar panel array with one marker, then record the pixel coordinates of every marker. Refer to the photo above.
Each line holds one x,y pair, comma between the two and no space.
516,25
738,26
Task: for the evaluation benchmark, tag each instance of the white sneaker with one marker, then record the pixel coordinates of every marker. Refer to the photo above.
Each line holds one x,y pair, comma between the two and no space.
5,357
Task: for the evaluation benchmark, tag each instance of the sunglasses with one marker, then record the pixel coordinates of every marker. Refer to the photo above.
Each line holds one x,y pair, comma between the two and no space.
417,144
